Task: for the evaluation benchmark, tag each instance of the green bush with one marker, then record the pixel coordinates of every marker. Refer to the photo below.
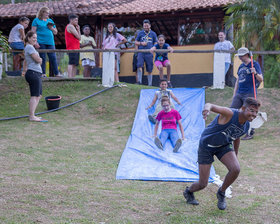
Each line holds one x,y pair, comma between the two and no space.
3,43
272,70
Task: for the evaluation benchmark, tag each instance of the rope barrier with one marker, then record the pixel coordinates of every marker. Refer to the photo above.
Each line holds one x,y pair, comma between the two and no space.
68,105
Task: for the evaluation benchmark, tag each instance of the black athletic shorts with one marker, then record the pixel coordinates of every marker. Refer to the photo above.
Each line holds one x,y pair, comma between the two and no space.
35,82
206,156
74,58
238,100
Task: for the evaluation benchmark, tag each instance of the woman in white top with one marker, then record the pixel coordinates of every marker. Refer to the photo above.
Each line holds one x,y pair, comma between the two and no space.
16,41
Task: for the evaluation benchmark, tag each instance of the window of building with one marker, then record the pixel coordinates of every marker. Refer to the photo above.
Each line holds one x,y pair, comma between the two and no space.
198,31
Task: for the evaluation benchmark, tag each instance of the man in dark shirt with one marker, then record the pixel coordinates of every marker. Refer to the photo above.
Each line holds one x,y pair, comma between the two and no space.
244,83
216,140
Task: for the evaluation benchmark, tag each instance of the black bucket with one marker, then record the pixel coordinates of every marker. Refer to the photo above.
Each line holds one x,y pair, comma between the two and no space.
52,102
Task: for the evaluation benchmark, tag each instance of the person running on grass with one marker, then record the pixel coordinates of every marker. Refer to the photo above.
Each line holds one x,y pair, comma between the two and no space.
161,59
169,118
227,128
158,95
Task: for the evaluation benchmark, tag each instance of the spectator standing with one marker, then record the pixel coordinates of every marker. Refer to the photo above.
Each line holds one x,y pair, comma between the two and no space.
224,45
244,83
134,61
87,43
161,59
16,41
145,39
72,39
33,74
46,29
114,40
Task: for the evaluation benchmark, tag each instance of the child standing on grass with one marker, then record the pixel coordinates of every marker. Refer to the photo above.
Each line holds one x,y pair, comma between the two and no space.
16,41
217,139
87,43
161,59
158,96
169,118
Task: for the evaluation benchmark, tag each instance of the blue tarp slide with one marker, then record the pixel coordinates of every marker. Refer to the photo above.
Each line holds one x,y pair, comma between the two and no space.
142,160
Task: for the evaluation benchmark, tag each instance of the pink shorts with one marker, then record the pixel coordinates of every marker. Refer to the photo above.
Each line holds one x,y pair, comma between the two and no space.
161,63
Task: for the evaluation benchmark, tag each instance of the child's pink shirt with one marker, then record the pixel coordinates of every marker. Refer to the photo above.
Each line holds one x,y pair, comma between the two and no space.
169,119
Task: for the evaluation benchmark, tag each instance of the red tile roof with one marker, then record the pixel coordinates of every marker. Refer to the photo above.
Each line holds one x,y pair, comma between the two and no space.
107,7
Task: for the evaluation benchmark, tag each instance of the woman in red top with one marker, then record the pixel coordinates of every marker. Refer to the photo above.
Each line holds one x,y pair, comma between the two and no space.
72,38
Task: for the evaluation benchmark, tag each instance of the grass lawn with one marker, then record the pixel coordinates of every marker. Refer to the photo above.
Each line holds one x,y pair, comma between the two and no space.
64,171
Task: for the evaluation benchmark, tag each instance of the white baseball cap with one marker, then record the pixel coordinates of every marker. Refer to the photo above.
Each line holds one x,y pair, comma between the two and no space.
242,51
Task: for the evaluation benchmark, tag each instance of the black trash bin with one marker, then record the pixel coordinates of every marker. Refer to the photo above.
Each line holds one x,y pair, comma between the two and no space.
52,102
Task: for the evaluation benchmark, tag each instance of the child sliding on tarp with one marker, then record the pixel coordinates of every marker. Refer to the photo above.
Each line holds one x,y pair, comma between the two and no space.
169,118
158,96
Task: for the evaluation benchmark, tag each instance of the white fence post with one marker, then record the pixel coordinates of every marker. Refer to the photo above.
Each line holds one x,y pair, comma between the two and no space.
219,71
108,69
6,62
1,64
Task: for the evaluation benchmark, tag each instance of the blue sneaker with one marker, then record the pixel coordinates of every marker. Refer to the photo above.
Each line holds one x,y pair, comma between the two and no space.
158,143
152,119
177,145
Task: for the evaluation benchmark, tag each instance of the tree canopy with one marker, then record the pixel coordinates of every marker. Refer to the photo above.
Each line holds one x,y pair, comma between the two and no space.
257,26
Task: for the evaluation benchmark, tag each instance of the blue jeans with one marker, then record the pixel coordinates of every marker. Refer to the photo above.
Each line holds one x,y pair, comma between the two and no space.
169,133
227,64
52,58
17,46
147,58
239,99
